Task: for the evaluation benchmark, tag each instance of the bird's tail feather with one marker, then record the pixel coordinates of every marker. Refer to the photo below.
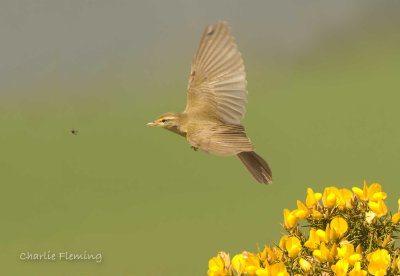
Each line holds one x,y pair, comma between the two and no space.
257,166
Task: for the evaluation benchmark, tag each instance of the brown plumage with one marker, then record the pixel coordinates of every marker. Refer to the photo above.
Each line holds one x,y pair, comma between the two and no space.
216,103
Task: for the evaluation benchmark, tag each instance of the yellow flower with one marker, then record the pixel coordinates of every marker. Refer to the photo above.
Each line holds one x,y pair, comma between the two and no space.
340,268
329,234
378,262
324,254
312,198
302,210
262,272
371,193
270,255
358,249
313,240
278,269
293,246
329,197
282,241
239,264
346,252
289,218
361,194
316,214
335,230
357,271
354,258
375,192
322,235
245,263
305,265
396,217
216,267
344,199
334,249
378,207
339,225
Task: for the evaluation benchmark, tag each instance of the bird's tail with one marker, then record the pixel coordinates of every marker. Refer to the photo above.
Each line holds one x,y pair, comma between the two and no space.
257,166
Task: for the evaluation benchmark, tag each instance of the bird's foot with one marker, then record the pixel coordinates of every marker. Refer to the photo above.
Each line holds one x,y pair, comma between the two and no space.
194,148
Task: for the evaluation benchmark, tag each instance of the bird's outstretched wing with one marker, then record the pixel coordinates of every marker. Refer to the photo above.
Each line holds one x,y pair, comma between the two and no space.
217,85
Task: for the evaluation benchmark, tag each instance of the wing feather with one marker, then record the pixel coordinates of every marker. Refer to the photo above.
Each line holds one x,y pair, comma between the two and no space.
221,139
217,85
229,139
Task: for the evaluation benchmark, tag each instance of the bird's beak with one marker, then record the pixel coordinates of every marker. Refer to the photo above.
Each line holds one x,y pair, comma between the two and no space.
152,124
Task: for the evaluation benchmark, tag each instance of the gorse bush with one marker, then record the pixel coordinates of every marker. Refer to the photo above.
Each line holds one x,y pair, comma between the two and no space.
339,232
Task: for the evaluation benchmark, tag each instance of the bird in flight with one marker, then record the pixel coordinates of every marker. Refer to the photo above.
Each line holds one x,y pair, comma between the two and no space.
216,103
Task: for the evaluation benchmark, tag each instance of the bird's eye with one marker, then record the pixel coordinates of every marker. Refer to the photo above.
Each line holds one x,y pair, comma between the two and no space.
163,120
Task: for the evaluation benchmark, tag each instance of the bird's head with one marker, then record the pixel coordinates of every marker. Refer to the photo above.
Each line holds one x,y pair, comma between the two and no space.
168,121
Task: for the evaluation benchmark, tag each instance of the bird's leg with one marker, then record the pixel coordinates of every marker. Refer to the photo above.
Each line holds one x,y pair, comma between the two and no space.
194,148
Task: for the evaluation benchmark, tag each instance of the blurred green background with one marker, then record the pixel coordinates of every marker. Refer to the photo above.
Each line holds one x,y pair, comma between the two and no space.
323,110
